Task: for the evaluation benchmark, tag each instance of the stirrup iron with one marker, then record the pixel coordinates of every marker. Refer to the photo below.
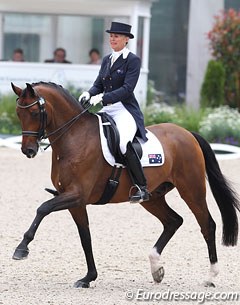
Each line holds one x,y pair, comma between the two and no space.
133,197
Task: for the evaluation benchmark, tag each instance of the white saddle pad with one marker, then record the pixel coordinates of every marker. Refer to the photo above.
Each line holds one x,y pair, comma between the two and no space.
153,154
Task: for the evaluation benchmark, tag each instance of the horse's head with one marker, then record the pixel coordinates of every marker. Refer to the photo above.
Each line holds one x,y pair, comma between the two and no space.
31,112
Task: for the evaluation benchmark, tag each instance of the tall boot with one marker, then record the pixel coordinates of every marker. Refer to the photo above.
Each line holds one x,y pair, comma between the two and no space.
136,173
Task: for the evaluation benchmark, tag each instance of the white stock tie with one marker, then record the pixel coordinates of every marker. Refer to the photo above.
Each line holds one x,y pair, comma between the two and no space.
113,59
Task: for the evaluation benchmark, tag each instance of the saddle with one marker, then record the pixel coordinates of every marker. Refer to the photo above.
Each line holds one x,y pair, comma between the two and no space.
111,133
113,140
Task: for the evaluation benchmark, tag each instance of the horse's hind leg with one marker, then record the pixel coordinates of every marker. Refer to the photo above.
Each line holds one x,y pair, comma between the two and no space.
208,228
171,222
196,200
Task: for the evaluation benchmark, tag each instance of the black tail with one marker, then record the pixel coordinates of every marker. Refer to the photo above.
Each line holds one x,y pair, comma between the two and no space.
226,198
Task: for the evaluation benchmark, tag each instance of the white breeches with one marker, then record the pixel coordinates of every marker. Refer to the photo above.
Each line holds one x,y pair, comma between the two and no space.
125,123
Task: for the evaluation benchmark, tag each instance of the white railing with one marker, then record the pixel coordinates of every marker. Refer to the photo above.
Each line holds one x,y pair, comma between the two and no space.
222,151
15,142
225,151
79,76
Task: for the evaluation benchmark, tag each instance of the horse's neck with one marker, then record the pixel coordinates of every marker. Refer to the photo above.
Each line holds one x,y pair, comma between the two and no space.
59,109
71,131
66,133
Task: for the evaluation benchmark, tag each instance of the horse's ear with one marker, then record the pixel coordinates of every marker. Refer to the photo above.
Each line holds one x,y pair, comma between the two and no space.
30,90
16,90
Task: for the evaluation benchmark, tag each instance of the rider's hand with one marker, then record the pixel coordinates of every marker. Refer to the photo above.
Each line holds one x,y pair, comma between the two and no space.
84,97
96,99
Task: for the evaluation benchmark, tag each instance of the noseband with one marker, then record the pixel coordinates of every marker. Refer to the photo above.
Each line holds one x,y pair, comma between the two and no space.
40,134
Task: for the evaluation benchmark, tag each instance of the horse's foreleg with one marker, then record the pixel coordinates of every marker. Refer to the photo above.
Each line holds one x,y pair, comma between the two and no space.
81,219
58,203
171,222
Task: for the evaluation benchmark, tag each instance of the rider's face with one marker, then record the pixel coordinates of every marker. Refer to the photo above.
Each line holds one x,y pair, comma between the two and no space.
118,41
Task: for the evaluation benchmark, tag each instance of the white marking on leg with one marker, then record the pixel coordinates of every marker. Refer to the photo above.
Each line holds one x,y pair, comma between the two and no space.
213,272
154,258
156,269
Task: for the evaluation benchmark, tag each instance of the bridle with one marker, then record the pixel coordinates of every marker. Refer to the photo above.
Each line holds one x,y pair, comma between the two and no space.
41,133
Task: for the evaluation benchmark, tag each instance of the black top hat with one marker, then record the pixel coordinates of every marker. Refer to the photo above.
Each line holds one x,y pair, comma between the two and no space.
121,28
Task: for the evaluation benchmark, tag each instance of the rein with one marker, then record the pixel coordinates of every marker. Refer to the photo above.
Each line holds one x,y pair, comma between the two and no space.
67,126
41,135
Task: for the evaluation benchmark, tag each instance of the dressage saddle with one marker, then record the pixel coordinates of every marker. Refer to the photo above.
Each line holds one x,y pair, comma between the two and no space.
113,138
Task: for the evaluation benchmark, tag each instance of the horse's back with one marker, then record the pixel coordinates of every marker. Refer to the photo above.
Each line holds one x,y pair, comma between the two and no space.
171,134
179,145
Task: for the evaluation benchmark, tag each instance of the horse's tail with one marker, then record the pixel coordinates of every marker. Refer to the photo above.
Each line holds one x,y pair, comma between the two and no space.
226,198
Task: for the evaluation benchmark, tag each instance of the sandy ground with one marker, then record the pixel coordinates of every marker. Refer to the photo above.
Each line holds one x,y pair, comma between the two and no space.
122,235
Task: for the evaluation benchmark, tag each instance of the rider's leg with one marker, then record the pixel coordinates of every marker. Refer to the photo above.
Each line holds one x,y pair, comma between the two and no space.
128,128
125,123
136,172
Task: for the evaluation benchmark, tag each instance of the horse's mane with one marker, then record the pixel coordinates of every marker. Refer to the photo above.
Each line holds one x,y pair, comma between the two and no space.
59,88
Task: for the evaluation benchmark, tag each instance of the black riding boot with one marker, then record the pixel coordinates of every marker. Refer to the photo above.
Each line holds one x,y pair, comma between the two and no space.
135,171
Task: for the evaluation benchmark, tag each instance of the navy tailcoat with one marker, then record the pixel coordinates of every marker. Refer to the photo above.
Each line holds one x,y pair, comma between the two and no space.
118,83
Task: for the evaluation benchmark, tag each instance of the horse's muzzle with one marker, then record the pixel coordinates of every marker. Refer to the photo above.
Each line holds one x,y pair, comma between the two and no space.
30,152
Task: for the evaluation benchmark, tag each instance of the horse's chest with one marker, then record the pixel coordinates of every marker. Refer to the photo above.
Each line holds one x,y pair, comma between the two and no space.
64,169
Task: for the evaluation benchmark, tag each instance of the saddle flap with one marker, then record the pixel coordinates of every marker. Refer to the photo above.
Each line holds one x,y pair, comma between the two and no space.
111,133
152,150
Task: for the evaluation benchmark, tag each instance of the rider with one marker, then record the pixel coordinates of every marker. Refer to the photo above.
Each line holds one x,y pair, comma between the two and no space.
114,87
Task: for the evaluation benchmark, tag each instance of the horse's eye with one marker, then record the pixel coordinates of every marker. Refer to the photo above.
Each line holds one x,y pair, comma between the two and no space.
34,114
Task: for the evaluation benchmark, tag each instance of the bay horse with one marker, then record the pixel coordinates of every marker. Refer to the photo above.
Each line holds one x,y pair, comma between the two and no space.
80,173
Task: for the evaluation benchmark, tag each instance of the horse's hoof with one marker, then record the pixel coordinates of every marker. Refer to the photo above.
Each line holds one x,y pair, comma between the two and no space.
209,284
81,284
20,254
158,275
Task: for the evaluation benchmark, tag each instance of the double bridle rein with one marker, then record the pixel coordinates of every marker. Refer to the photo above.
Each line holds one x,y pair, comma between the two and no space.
41,133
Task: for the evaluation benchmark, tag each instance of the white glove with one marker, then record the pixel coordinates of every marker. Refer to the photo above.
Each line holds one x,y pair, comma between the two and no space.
96,99
84,97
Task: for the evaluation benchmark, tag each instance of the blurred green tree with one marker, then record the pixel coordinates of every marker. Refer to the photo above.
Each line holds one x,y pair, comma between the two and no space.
225,45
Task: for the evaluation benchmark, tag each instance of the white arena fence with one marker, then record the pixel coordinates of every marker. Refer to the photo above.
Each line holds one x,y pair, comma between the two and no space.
15,142
222,151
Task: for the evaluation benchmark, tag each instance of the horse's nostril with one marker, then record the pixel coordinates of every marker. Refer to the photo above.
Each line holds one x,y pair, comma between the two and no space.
30,153
30,149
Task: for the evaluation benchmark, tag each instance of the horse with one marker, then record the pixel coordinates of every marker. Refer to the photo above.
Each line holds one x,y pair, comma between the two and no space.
79,173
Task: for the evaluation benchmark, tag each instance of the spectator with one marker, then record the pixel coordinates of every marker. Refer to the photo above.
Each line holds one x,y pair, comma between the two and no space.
95,58
59,56
18,55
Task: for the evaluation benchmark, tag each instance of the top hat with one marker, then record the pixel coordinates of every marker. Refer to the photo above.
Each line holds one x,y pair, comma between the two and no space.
121,28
